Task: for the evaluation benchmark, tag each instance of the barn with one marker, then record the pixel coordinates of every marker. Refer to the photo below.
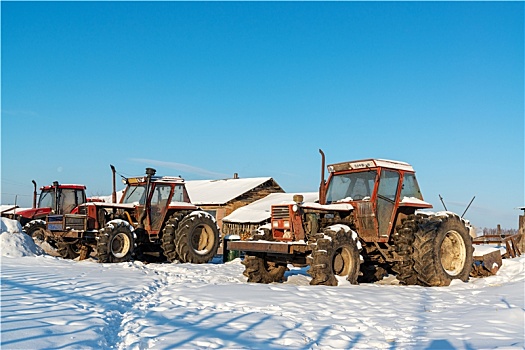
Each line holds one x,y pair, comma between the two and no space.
221,197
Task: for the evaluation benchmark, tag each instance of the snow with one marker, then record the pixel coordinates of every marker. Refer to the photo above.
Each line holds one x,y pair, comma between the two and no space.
204,192
260,210
337,206
413,200
51,303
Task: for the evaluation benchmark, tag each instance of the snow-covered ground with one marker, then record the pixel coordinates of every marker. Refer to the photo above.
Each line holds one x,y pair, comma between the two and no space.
51,303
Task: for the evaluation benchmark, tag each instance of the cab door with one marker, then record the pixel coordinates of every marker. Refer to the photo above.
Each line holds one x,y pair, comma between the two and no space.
386,201
160,199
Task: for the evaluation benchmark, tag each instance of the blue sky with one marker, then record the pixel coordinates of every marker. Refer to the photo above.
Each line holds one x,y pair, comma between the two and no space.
205,90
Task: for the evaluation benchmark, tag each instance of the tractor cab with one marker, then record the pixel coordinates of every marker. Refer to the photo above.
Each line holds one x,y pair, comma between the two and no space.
381,192
62,199
157,194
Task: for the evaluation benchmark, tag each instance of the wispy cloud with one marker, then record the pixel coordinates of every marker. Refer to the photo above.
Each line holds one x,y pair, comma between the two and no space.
179,166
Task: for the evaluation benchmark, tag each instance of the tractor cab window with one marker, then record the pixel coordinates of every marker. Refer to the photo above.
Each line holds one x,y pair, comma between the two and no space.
161,194
178,194
67,201
410,187
159,205
353,186
388,184
47,199
135,194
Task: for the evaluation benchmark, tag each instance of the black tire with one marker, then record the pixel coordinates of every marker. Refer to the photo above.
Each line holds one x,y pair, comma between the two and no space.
197,238
115,243
442,251
403,242
168,238
336,253
69,250
36,229
259,269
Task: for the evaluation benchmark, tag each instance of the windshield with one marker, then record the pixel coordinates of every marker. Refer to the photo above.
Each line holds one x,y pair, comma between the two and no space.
353,186
47,199
135,194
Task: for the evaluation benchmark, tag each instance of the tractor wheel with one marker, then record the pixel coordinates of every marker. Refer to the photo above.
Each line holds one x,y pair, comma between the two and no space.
69,250
115,243
259,269
337,253
168,238
442,251
36,229
403,241
197,238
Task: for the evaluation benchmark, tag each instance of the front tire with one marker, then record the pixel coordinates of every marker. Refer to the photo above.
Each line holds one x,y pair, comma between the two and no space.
115,243
259,269
443,251
36,229
197,238
69,250
336,254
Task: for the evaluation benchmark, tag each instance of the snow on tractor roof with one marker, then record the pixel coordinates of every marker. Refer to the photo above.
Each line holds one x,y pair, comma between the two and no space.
370,163
70,186
142,179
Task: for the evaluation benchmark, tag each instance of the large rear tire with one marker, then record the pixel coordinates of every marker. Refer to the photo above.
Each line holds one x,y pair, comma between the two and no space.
197,238
115,243
259,269
168,238
336,254
442,251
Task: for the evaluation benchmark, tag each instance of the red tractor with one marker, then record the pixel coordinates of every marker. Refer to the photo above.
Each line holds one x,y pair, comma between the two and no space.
56,199
366,224
154,218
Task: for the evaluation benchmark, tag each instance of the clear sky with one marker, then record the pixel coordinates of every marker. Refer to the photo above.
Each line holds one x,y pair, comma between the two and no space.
205,90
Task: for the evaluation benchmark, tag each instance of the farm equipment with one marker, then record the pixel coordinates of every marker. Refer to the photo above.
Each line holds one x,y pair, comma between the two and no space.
367,223
154,218
488,262
56,199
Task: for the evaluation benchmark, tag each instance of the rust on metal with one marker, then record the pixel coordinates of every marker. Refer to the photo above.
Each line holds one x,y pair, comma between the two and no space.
267,247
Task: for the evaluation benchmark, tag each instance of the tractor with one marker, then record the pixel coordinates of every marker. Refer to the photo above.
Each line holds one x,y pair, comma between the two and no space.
367,223
57,199
154,220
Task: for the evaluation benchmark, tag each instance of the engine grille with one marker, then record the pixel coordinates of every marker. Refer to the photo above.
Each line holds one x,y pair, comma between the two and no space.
280,212
75,222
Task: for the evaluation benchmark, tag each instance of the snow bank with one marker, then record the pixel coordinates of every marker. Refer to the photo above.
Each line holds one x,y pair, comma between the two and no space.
14,243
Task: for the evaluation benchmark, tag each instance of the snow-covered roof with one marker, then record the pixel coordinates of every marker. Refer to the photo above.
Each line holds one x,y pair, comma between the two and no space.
260,210
218,192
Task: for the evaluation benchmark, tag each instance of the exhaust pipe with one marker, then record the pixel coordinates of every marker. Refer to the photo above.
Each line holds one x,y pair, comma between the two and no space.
57,203
322,198
34,193
114,190
150,172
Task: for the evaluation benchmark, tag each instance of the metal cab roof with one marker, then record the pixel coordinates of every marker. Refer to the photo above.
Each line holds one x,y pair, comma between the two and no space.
370,163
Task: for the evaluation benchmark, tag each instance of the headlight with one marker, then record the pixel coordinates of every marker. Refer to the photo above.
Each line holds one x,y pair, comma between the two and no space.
286,224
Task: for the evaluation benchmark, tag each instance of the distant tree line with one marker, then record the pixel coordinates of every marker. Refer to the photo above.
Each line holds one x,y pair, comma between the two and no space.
499,231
